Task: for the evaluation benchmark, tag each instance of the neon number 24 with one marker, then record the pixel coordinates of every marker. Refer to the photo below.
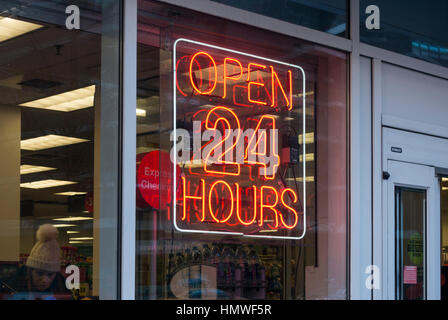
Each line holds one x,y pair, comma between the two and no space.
228,135
257,148
256,152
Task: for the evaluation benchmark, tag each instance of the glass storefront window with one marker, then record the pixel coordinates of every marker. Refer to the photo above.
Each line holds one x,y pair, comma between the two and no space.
59,123
416,29
241,161
323,15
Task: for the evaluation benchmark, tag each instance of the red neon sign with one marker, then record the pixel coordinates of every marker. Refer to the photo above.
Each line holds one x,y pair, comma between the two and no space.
231,76
231,183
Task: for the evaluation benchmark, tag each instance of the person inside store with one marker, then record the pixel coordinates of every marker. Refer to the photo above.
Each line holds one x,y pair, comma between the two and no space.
40,278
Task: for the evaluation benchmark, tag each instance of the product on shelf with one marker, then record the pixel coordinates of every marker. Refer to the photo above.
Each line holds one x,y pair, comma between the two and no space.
206,254
241,273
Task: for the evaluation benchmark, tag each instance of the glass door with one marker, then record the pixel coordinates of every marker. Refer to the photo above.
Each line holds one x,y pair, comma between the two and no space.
411,240
410,236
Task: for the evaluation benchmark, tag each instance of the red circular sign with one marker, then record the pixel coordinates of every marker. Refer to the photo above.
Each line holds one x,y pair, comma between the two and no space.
155,179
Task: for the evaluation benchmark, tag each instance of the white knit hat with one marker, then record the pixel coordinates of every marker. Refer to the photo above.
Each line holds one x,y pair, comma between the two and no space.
46,253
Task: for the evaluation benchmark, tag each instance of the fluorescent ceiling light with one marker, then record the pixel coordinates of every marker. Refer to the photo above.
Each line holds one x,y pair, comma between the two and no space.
70,193
48,142
82,238
11,28
197,163
62,225
444,188
445,179
72,231
42,184
309,93
141,112
77,242
67,101
309,138
300,179
308,157
68,219
27,169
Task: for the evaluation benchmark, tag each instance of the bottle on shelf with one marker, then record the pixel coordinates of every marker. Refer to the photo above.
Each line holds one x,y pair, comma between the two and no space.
274,286
220,269
240,271
188,258
195,274
228,258
180,261
216,254
206,254
196,255
171,264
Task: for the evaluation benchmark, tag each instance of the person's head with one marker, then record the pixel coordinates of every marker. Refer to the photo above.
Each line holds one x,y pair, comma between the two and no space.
44,260
41,279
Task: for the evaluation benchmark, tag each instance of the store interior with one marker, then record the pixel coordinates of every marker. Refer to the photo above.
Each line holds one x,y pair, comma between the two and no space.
50,86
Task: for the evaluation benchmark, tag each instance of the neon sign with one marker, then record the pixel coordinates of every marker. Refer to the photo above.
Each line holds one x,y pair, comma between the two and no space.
228,116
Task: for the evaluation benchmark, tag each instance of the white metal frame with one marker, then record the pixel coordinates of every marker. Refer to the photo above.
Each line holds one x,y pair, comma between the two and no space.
411,125
403,61
377,167
360,224
129,149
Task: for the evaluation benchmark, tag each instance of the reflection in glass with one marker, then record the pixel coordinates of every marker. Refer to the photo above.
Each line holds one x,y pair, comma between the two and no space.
323,15
416,29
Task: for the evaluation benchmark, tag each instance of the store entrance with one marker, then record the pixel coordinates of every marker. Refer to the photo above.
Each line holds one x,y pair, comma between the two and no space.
414,217
411,219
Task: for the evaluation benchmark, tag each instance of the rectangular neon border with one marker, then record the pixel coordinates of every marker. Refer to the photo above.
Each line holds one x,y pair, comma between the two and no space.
175,128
